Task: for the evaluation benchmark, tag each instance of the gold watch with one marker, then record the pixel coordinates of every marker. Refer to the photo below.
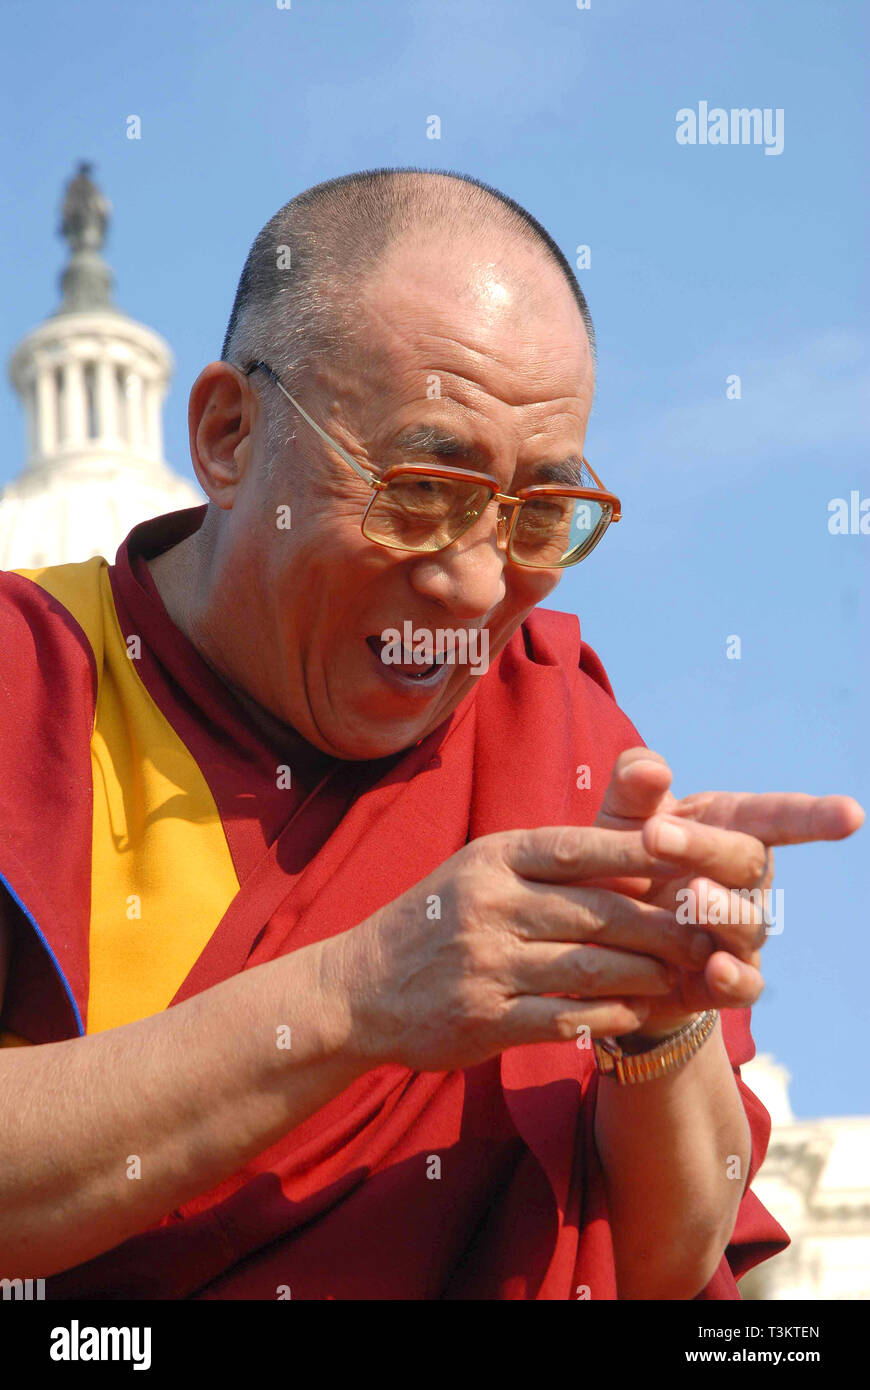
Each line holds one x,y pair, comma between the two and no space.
668,1054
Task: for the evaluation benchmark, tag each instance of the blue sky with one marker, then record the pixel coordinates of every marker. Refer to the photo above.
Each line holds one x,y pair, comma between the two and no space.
706,261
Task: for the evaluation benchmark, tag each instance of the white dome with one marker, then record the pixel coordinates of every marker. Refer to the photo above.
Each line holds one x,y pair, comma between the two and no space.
70,519
92,383
769,1080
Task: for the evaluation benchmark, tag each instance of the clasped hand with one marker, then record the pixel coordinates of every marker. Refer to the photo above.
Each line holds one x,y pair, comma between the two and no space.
721,842
524,936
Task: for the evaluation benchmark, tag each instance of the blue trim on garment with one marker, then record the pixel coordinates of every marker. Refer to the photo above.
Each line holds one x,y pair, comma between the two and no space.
52,957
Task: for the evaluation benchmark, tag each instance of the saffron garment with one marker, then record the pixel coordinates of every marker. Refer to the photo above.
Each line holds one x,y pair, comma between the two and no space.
156,844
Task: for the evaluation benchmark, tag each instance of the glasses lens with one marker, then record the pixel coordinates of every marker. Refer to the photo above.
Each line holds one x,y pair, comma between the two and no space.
554,530
419,511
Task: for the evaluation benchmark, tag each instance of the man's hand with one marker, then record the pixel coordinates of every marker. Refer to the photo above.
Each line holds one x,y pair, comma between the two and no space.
467,963
638,797
640,787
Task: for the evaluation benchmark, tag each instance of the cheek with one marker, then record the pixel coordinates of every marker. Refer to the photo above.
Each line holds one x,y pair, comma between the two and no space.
323,568
530,587
316,504
315,522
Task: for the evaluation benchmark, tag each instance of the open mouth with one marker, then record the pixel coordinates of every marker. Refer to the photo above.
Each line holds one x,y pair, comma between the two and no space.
409,668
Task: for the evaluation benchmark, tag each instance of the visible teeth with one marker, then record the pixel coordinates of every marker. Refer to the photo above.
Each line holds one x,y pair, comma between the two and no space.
408,667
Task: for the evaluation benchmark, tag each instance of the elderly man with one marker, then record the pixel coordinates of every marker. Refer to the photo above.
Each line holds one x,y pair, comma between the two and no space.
438,1026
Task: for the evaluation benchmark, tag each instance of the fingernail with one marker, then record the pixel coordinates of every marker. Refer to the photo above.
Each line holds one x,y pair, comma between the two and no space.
671,838
700,948
730,974
640,762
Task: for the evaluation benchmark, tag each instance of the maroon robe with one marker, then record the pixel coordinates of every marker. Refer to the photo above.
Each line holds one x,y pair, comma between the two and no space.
347,1205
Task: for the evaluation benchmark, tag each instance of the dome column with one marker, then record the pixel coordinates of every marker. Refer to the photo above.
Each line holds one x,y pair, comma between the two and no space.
46,411
73,404
107,401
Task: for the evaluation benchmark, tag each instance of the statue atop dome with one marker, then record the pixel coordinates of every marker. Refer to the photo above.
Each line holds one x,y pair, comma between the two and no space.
86,282
86,211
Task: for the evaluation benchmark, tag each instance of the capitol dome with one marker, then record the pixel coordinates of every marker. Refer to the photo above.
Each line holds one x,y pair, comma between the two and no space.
92,384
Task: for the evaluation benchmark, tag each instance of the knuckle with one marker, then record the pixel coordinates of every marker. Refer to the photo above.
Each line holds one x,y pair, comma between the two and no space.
474,1006
564,1027
596,912
505,845
666,976
564,845
752,991
486,919
473,954
586,967
476,893
757,860
593,922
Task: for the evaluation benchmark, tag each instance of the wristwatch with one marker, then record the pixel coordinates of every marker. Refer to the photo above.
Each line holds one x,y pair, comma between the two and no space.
668,1054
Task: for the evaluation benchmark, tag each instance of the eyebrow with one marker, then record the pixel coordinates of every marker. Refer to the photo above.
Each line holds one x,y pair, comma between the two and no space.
441,443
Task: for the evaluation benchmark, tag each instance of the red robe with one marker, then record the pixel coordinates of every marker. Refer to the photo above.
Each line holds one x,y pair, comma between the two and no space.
347,1205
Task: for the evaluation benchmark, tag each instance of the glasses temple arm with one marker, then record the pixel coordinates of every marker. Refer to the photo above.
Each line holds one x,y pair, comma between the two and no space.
351,462
598,481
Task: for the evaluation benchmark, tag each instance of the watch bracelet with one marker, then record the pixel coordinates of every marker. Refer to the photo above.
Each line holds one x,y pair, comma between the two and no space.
664,1055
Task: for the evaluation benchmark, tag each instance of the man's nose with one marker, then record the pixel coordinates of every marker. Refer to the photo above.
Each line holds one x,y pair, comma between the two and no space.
468,577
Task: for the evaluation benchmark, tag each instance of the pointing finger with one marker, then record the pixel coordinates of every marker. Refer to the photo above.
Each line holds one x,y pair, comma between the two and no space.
776,818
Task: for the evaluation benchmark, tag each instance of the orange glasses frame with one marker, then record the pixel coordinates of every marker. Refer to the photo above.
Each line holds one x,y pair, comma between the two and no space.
504,499
378,484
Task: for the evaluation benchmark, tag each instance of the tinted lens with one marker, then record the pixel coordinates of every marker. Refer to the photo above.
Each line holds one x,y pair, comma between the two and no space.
422,512
554,530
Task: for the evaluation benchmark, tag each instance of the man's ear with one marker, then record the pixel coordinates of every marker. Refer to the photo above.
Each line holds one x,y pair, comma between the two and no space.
221,415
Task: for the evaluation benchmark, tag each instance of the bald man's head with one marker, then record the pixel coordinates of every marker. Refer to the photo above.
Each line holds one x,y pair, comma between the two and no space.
298,298
430,324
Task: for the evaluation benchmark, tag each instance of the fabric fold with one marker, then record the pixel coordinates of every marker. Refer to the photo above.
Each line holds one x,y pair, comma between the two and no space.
474,1184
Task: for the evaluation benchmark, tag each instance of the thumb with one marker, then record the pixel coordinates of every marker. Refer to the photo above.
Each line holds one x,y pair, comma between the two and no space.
638,789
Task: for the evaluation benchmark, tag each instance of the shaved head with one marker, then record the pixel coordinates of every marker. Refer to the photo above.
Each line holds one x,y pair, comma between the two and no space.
421,318
300,293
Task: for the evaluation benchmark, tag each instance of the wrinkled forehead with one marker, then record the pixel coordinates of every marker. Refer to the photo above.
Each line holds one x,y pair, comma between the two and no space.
504,322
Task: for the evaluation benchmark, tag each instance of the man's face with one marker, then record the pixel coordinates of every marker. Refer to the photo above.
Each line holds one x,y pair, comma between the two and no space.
490,349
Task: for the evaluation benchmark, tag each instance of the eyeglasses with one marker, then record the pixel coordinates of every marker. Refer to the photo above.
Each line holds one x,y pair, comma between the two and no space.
426,507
